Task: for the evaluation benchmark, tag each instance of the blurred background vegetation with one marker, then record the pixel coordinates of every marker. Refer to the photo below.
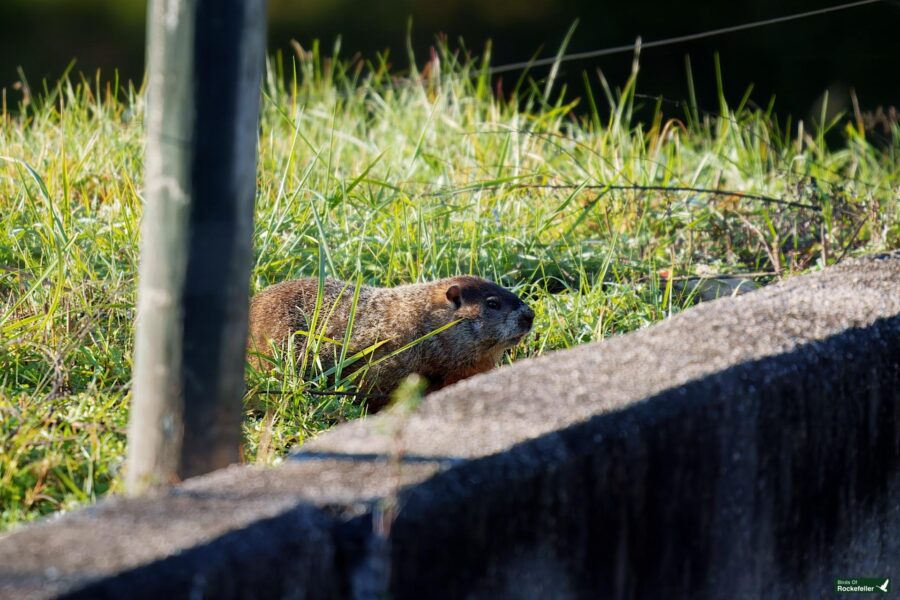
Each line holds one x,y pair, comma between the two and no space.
794,62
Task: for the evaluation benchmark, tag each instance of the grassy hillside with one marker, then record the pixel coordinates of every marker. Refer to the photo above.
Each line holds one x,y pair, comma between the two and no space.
571,203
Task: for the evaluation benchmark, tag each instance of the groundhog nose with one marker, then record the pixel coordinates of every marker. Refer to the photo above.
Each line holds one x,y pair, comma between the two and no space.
526,319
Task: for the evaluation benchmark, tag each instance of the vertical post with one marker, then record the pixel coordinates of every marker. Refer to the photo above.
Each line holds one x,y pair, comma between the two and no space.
205,61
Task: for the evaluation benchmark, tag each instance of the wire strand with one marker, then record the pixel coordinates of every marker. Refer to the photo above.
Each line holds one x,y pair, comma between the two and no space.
635,187
675,40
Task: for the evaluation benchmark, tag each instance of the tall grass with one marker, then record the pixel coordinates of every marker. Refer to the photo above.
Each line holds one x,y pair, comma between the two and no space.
378,179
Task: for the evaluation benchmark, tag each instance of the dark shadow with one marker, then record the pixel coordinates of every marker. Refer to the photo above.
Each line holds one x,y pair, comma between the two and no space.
313,455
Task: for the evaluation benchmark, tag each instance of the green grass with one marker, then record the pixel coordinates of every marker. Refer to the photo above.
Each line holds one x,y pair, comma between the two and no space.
389,180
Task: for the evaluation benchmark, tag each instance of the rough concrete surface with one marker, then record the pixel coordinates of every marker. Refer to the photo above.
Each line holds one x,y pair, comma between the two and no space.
749,447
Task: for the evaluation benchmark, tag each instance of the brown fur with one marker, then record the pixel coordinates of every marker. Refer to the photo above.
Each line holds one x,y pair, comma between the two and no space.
398,315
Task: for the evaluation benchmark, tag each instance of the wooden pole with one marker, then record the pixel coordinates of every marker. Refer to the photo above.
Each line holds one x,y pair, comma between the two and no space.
205,61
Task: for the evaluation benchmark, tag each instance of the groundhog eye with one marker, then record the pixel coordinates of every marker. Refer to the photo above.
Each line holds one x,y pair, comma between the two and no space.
492,303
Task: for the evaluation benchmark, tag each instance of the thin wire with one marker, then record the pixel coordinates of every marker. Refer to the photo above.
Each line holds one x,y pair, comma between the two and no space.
640,188
675,40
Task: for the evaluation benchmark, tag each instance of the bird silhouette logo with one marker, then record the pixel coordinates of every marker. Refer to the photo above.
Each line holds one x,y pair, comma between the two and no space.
884,586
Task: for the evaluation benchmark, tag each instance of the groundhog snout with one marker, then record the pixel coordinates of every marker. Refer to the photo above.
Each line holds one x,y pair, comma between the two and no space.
526,319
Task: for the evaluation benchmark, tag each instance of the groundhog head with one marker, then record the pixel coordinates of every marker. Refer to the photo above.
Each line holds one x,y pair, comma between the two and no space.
494,317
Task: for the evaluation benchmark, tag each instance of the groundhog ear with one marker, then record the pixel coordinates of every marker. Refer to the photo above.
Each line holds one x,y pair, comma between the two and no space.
454,296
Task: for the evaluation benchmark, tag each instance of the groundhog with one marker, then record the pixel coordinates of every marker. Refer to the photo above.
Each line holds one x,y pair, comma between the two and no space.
491,320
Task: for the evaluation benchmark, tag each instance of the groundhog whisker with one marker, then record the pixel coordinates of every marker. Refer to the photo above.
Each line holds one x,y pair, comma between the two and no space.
360,395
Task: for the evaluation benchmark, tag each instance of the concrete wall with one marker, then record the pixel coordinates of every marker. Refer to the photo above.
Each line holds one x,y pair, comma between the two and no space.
749,447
